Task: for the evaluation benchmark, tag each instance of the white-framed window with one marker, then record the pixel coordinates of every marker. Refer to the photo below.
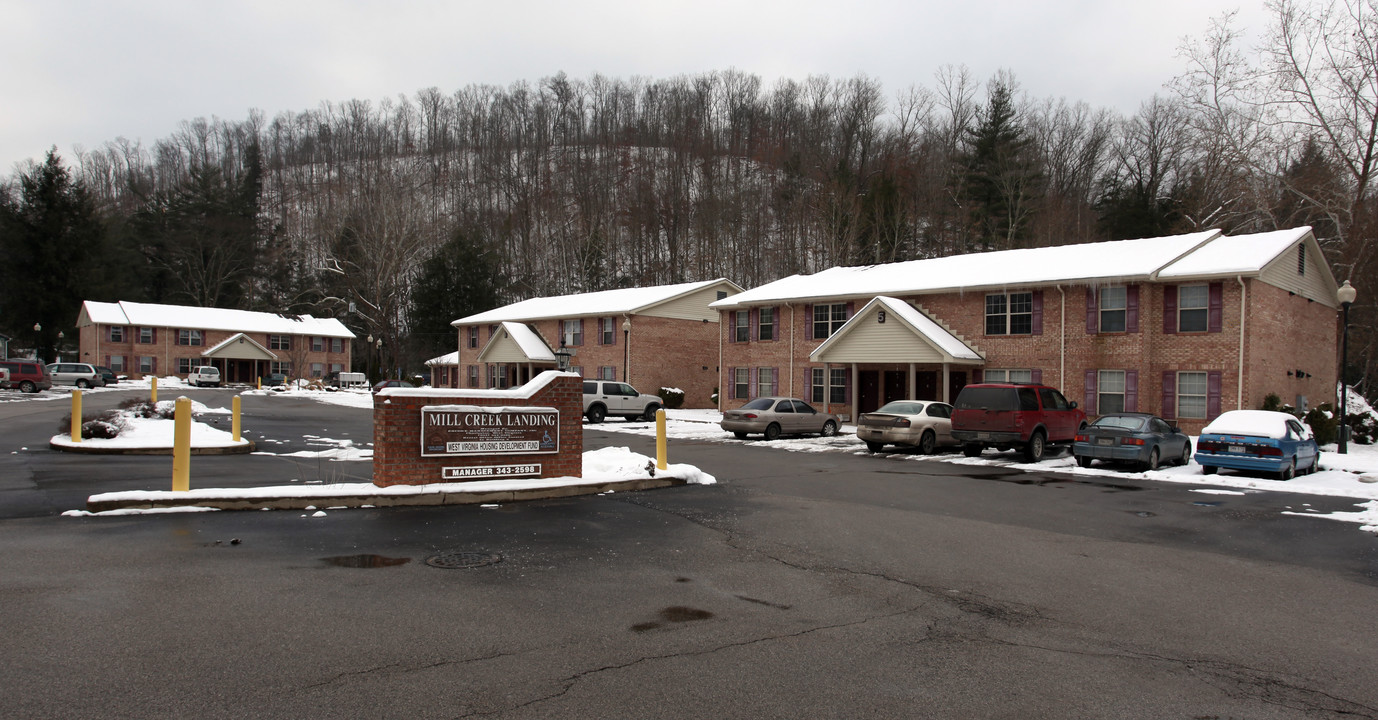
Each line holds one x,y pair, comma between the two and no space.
280,367
741,325
573,332
1007,375
577,370
117,363
473,336
336,367
184,365
337,345
147,364
503,381
317,370
838,392
765,324
1109,391
1114,309
816,385
1009,313
606,330
607,372
765,382
1191,395
279,342
189,337
741,383
117,333
317,343
1193,308
145,336
473,369
827,319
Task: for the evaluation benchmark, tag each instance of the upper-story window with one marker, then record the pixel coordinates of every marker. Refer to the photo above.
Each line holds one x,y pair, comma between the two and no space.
1193,308
606,333
827,319
765,324
317,343
473,339
741,325
1009,314
572,331
1114,308
279,342
189,337
145,335
337,345
117,333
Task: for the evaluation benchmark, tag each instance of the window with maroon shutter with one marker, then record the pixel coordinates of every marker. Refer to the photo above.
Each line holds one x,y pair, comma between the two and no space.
1131,310
1169,409
1092,312
1170,293
1036,317
1216,311
1113,309
1090,388
1192,313
1213,382
765,324
1131,390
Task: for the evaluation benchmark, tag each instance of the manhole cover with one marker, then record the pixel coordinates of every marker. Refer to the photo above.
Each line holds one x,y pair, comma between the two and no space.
457,560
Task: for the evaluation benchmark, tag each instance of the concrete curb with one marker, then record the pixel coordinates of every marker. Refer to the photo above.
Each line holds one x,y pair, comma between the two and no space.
385,499
78,448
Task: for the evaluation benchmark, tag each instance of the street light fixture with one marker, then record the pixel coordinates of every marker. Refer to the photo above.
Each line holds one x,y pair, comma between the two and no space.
1345,295
562,357
368,357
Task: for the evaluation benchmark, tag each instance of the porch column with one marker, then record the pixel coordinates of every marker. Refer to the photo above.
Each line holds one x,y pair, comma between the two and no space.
947,383
913,383
827,388
856,391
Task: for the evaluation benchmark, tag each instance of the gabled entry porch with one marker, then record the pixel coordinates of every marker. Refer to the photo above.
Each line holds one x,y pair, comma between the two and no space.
240,359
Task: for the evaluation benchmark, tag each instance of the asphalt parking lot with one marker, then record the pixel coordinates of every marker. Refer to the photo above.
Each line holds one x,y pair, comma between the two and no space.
800,584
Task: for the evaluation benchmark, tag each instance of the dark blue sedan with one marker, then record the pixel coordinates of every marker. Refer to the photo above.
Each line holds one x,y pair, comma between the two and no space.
1143,440
1258,441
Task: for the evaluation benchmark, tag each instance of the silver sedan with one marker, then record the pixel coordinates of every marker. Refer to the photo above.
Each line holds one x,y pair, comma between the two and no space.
914,423
776,416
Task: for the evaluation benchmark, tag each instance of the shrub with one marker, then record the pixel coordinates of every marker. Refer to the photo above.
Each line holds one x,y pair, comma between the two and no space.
140,407
671,398
104,425
1324,423
1273,403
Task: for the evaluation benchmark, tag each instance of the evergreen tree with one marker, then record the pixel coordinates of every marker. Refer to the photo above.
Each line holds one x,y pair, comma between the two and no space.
463,277
55,251
1000,183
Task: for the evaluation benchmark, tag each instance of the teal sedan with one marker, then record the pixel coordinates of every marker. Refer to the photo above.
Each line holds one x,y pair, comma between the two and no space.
1260,441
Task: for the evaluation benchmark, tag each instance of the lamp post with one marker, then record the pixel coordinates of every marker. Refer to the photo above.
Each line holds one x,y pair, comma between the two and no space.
626,349
379,345
368,354
58,349
1345,295
37,328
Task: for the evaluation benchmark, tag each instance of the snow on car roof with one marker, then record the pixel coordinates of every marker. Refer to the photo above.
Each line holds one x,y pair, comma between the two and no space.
1260,423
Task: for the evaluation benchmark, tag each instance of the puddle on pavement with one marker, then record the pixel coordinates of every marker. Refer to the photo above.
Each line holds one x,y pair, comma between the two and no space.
1208,503
674,614
1142,513
364,561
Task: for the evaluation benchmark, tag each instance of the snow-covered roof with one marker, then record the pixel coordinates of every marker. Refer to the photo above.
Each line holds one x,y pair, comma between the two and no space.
211,351
606,302
910,316
447,359
184,316
531,344
1116,260
1235,254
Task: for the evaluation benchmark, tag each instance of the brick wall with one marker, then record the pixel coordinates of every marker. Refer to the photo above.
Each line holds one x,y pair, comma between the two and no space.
97,349
397,456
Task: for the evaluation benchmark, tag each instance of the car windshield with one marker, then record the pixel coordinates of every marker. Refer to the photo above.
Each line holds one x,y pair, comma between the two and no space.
759,404
1120,422
987,398
902,408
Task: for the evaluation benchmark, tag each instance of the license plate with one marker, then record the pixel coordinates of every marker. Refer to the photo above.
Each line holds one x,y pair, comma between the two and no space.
1105,441
982,436
1237,449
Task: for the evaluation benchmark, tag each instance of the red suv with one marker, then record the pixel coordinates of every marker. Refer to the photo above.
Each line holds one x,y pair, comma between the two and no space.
1007,415
29,376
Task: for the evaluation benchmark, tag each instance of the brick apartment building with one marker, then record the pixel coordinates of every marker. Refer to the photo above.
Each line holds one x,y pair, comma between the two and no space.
653,337
1185,326
139,339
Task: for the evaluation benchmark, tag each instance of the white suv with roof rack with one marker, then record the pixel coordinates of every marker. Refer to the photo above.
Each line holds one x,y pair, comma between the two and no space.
203,376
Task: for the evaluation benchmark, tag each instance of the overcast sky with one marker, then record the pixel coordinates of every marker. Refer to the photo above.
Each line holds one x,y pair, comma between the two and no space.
77,73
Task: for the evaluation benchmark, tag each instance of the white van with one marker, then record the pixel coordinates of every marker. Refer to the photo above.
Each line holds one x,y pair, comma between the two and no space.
203,376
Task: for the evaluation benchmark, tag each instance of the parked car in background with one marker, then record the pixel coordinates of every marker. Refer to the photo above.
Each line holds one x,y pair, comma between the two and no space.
1142,439
920,424
383,384
204,376
1008,415
606,397
107,375
274,380
82,375
28,376
1258,441
346,380
776,416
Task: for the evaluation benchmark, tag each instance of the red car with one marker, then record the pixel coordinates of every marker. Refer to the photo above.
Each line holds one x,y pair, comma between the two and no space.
28,376
1008,415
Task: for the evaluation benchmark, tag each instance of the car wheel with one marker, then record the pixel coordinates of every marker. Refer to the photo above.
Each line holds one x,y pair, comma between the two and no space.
874,446
829,429
739,434
972,449
1186,454
1209,469
28,387
596,414
928,443
1152,463
1033,451
1288,472
650,414
1084,461
772,431
83,384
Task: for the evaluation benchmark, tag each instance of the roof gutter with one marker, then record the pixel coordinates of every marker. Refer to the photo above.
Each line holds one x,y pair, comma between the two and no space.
1062,341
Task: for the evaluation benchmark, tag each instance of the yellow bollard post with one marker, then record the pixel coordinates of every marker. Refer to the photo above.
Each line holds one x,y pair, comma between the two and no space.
259,385
234,422
181,446
76,416
660,439
155,389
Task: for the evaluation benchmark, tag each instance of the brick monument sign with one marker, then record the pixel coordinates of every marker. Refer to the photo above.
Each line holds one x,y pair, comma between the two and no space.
430,435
